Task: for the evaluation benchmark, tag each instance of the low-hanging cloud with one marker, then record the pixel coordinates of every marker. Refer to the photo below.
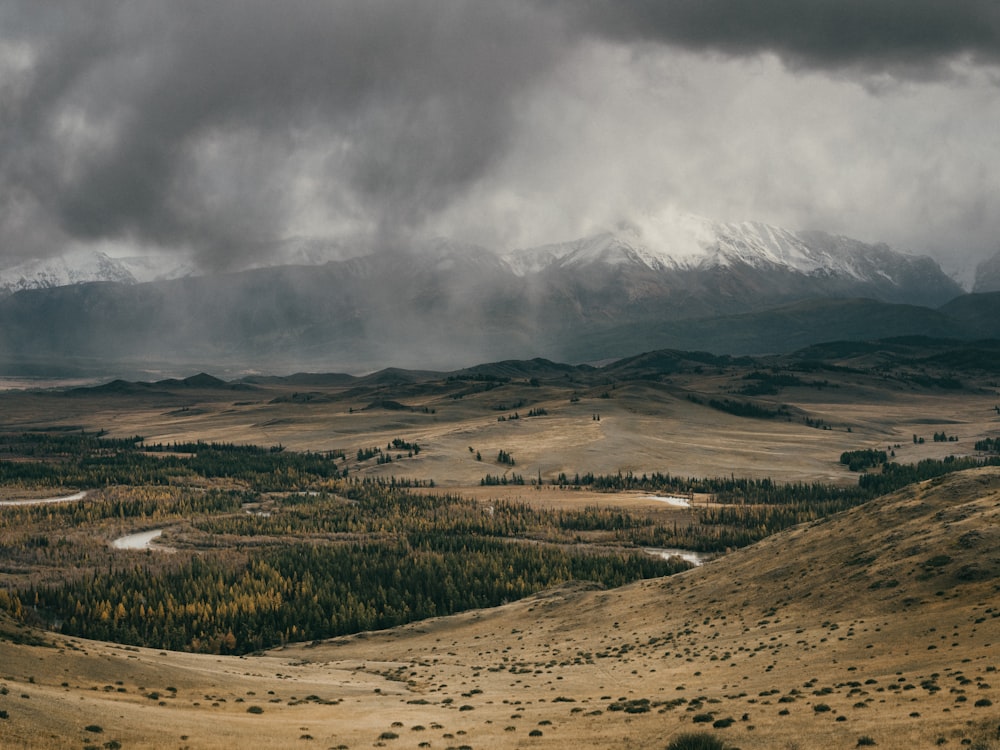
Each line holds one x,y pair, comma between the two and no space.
225,127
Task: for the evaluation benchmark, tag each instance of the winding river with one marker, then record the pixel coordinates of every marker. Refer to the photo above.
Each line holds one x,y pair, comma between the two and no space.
140,540
45,500
695,558
675,500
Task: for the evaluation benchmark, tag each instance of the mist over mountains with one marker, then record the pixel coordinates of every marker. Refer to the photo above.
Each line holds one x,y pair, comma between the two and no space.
726,288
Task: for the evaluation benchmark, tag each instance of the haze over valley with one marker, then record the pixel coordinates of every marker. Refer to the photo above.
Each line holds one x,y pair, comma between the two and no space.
470,376
679,282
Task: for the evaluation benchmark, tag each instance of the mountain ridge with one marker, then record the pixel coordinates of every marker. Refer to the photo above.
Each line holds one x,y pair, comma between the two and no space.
87,266
734,290
109,326
659,243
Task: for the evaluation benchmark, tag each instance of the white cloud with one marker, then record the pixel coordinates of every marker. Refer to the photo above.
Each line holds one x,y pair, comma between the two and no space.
613,133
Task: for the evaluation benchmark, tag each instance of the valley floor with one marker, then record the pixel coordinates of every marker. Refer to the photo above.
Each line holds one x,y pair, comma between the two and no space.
880,624
876,626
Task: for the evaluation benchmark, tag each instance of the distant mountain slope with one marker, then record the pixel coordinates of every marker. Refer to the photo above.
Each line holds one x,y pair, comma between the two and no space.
668,245
944,357
988,275
84,266
290,320
979,314
805,262
786,328
75,268
737,288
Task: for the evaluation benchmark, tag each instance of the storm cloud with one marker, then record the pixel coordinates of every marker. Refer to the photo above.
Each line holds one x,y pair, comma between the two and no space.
216,124
907,37
225,127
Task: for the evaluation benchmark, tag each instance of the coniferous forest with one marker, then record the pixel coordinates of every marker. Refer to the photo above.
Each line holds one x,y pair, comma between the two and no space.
264,546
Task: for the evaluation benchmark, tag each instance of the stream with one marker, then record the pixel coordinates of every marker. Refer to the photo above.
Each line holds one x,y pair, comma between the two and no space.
695,558
43,501
140,540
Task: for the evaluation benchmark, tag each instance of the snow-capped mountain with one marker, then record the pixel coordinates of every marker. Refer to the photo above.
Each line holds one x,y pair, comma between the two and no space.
683,282
83,266
690,243
73,268
664,248
158,267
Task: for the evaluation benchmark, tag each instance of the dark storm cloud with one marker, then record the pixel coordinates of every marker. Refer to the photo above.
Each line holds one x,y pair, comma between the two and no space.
225,126
910,37
188,124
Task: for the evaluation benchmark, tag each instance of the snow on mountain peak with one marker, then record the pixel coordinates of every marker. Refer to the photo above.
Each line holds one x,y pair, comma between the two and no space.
664,242
73,268
83,265
676,239
681,241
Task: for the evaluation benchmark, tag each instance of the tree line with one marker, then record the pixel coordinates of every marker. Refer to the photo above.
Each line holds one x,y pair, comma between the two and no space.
347,555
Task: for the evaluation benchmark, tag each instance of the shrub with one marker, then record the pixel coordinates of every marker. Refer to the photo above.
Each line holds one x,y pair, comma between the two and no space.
696,741
866,741
388,736
95,728
821,708
634,706
255,710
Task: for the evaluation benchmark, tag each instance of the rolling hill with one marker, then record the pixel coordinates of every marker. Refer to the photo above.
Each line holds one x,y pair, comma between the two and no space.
877,626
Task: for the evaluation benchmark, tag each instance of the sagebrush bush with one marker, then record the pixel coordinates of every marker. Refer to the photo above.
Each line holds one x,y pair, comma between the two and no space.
696,741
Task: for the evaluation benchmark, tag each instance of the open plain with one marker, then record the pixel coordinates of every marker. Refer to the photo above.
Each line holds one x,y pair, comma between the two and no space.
648,413
879,625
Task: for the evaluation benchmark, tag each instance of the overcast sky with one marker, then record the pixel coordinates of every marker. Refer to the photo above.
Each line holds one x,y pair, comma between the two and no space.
221,127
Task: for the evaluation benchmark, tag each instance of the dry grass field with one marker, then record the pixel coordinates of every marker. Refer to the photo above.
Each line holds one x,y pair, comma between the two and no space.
875,627
646,424
880,624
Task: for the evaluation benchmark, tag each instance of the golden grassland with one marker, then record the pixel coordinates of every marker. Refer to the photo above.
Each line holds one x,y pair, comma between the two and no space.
880,624
643,425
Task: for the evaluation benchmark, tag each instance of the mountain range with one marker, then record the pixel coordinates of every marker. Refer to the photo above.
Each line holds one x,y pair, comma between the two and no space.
684,283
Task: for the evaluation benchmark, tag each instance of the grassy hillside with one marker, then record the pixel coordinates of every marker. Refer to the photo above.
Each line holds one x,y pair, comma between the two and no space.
876,626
